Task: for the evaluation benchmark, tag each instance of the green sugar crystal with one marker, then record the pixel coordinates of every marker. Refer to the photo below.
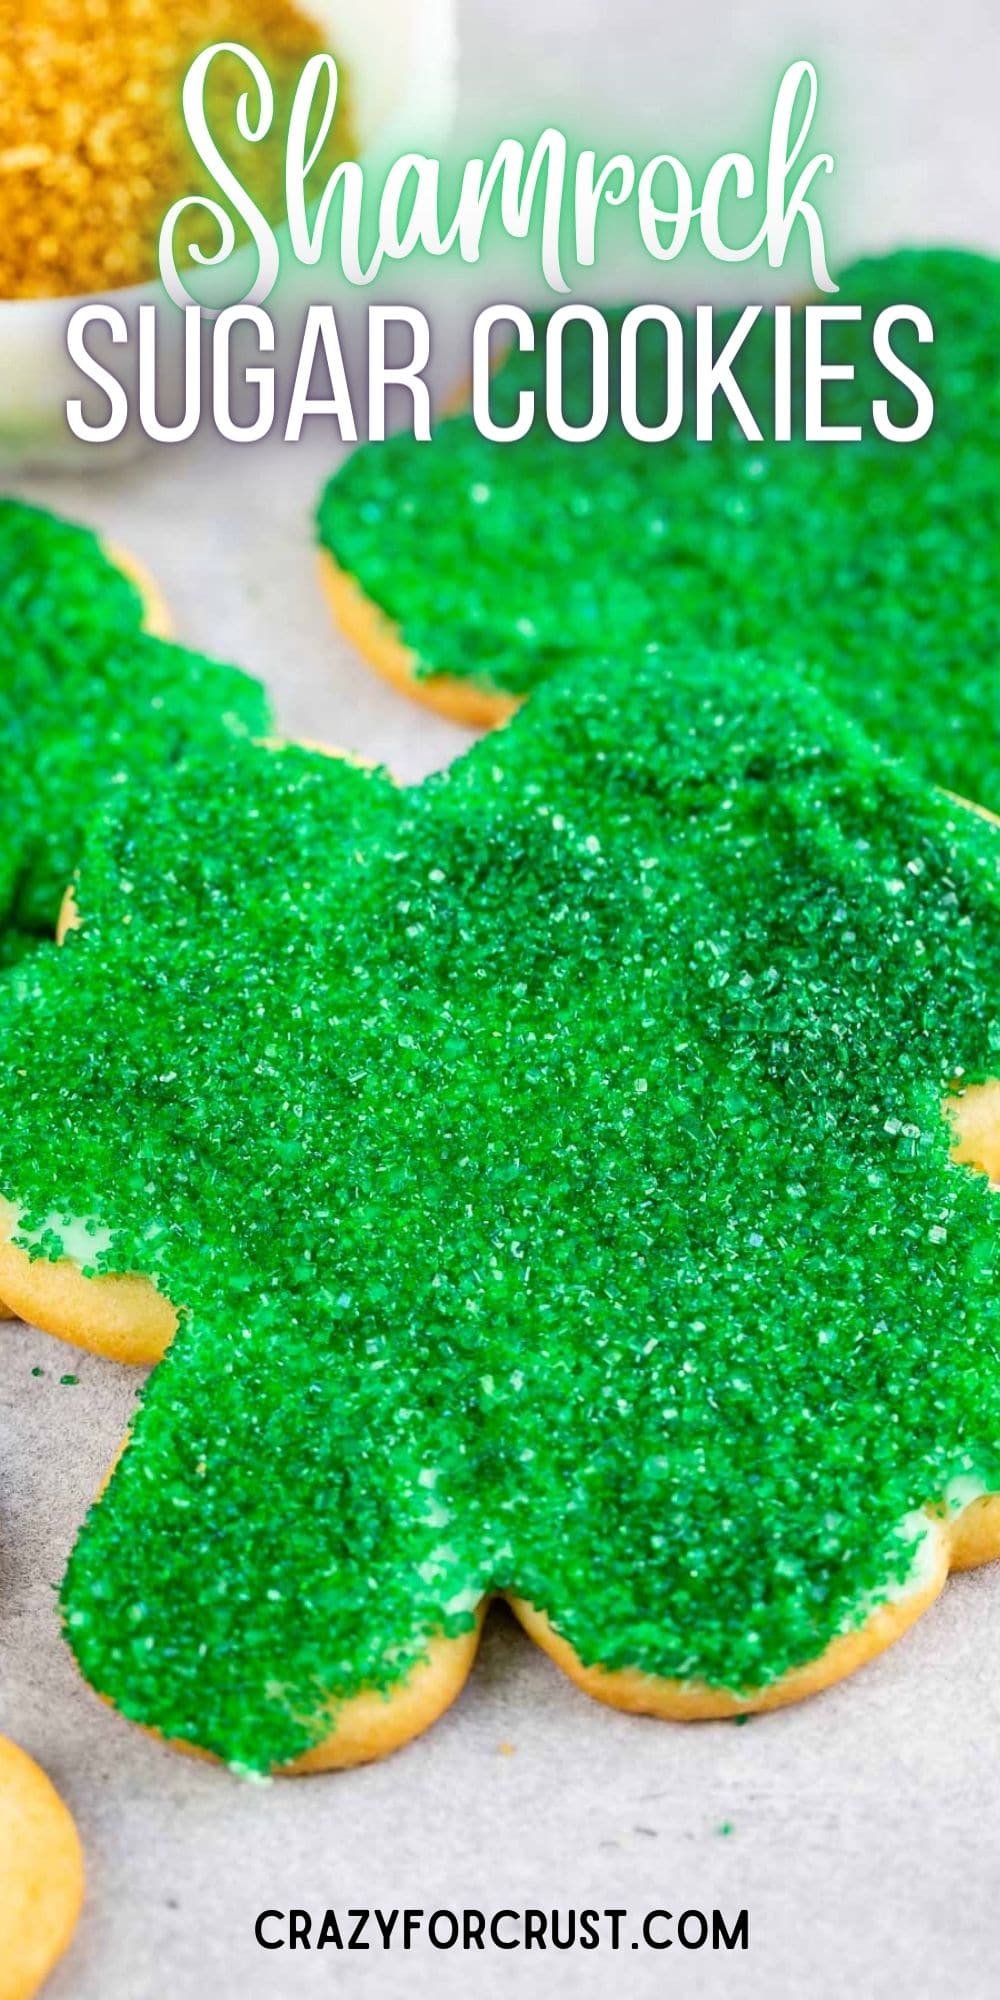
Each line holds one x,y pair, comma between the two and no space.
85,697
551,1166
870,567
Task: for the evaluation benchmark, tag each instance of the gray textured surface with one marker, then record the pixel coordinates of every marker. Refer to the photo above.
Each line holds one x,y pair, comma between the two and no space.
865,1826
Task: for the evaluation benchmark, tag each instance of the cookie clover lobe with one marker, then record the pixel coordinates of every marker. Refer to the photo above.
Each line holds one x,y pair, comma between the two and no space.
471,571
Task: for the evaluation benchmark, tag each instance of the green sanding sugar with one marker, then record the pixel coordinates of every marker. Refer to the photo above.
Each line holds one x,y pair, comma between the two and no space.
86,698
871,566
61,573
15,945
551,1163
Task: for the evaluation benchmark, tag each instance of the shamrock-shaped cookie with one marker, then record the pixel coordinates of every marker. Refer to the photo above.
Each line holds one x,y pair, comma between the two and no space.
548,1166
470,571
87,694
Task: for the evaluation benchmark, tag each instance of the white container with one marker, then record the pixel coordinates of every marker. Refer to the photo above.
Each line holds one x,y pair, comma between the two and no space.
399,61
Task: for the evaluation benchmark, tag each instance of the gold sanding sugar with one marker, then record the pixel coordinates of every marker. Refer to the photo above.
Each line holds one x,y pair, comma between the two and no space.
92,142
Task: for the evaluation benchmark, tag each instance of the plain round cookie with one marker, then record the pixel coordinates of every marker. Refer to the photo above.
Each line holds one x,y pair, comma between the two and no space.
41,1875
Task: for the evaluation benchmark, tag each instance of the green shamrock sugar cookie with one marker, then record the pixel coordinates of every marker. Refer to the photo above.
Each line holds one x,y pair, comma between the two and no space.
549,1163
86,695
470,571
64,574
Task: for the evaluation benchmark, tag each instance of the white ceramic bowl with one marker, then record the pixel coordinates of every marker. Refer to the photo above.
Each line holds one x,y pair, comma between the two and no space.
399,58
